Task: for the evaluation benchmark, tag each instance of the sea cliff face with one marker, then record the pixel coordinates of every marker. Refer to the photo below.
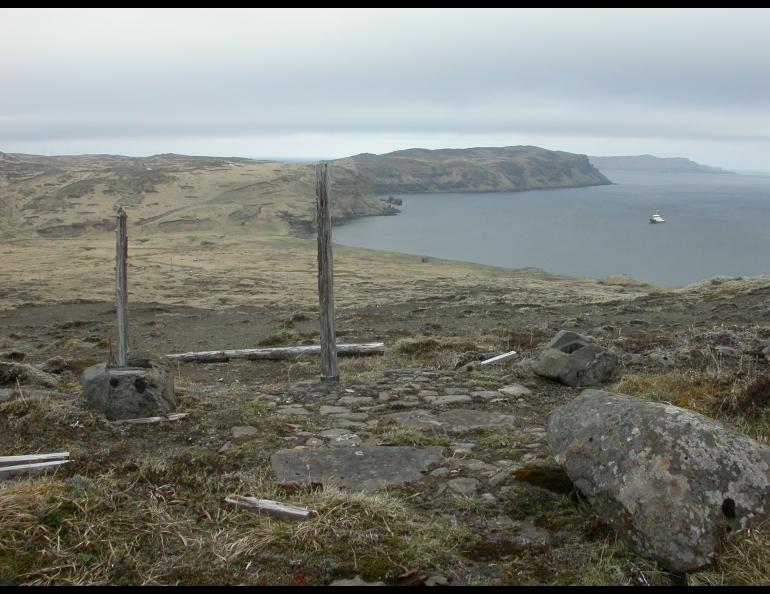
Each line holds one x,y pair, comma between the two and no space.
503,169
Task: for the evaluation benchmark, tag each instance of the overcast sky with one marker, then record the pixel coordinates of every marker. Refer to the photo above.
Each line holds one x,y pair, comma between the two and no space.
306,83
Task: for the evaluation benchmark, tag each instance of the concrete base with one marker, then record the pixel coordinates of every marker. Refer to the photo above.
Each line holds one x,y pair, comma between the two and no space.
129,392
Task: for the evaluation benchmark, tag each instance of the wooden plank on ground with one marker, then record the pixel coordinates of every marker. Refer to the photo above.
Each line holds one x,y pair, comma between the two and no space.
9,471
32,458
500,358
151,420
274,354
271,508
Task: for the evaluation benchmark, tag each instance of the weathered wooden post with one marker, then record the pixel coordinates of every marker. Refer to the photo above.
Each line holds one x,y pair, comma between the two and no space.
329,372
121,287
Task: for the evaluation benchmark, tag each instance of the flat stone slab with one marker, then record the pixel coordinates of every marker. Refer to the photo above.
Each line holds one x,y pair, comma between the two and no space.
355,400
449,399
357,469
244,433
464,486
515,390
418,419
460,419
330,410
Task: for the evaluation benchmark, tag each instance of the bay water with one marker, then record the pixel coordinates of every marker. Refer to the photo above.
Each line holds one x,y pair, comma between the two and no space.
717,225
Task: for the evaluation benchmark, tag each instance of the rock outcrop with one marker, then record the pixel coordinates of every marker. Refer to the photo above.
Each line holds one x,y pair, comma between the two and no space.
572,360
672,482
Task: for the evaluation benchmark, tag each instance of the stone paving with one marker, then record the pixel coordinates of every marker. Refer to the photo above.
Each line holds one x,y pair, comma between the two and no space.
343,440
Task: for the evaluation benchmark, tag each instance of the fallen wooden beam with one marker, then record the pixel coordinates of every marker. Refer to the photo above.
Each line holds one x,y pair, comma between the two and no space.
9,471
274,354
499,358
32,458
150,420
271,508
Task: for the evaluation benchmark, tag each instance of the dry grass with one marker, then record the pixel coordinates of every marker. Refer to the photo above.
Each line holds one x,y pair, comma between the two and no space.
154,528
714,395
743,561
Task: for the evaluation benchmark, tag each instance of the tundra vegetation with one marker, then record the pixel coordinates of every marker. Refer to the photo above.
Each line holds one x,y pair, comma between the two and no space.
144,504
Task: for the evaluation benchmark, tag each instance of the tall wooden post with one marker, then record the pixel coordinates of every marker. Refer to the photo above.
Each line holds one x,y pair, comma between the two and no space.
121,286
329,372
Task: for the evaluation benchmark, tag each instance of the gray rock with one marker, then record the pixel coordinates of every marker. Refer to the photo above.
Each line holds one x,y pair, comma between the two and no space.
129,392
570,359
460,420
473,465
463,486
328,410
438,401
367,468
418,419
670,481
243,433
355,581
515,390
485,394
355,400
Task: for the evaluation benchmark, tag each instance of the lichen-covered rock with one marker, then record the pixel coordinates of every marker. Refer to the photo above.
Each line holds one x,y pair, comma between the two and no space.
572,360
129,392
672,482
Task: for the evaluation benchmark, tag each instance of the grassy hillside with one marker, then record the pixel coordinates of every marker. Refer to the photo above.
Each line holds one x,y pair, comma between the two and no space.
68,196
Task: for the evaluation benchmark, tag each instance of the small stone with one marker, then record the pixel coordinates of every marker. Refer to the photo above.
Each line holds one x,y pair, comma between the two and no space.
501,476
294,410
351,416
355,400
451,399
314,442
346,440
328,410
473,465
484,394
355,581
463,486
462,448
427,393
244,433
515,390
437,580
442,471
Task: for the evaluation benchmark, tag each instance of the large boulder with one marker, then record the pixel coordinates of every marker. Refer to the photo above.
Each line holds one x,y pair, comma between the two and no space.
672,482
572,360
146,389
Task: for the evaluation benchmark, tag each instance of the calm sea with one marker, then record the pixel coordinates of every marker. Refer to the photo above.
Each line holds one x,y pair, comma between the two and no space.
717,224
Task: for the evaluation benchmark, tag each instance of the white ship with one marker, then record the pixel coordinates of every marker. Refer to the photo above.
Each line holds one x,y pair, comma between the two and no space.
657,218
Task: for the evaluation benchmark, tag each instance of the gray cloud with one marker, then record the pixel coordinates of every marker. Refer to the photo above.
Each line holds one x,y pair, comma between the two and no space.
94,75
